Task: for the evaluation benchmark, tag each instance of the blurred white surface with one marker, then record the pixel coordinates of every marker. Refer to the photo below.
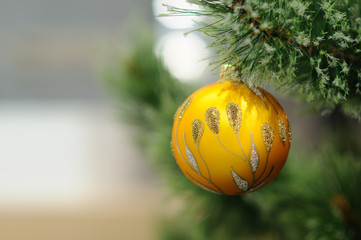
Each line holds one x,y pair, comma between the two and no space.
70,170
186,57
44,157
66,155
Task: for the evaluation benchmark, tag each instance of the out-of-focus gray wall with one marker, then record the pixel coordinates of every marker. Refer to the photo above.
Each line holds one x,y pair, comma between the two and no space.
48,48
68,167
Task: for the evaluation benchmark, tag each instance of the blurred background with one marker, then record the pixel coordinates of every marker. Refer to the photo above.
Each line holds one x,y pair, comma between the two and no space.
69,169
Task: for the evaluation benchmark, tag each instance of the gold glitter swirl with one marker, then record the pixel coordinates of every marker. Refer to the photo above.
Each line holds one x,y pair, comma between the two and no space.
197,131
267,135
234,115
213,117
282,129
241,183
184,108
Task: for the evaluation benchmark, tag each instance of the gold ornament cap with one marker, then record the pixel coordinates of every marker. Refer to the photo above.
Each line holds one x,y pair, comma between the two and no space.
228,73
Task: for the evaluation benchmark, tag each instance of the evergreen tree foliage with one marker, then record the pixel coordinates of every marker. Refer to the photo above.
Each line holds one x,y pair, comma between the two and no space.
316,196
312,47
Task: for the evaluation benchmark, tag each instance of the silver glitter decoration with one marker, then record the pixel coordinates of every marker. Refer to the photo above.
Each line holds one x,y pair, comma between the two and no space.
282,129
201,185
262,183
254,159
204,187
258,186
190,156
241,184
267,135
197,131
184,108
257,92
213,118
234,115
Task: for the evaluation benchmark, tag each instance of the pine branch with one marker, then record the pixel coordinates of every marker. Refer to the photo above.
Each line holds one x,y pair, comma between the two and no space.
285,36
312,46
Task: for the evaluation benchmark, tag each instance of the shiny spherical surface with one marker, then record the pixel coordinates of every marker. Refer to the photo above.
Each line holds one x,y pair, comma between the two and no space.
230,139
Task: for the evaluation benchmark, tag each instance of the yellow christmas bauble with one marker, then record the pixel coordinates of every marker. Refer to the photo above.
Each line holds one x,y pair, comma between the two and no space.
231,139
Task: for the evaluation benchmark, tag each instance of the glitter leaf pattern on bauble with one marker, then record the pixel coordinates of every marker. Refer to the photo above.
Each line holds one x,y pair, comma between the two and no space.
184,108
201,185
282,129
289,132
234,115
254,158
267,135
241,184
190,156
197,131
256,91
212,117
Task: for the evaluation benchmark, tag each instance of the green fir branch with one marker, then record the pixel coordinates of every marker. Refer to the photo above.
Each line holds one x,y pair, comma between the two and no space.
309,47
